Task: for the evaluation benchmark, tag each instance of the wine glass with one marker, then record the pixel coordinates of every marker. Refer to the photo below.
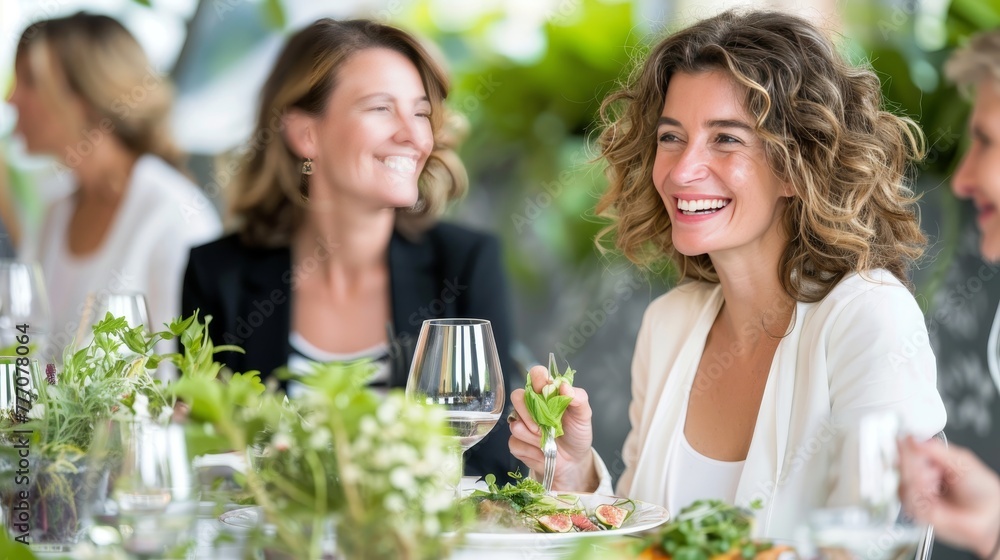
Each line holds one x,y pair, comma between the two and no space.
129,305
863,519
456,366
144,488
24,308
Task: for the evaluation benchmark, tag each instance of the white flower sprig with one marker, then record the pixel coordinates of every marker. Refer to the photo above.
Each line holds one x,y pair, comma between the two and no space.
384,469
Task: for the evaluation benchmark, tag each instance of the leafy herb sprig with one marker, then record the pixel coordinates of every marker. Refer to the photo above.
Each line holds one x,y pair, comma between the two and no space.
111,376
707,528
382,466
527,504
527,496
547,408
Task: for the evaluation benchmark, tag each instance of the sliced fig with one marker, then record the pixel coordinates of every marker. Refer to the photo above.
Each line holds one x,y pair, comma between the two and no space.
557,523
583,523
611,516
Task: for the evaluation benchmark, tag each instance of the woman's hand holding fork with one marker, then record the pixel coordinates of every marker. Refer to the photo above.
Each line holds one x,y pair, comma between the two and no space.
575,469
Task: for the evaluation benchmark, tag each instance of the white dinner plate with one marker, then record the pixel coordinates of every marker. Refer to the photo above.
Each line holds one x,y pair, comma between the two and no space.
645,517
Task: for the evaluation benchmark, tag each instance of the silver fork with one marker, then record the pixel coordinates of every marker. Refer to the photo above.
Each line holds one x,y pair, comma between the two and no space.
549,451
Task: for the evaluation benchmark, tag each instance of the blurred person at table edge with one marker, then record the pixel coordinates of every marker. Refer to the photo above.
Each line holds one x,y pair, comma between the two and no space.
338,253
748,153
950,487
86,94
10,225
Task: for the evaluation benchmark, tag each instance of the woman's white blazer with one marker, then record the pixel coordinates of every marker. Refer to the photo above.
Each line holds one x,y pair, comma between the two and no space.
862,349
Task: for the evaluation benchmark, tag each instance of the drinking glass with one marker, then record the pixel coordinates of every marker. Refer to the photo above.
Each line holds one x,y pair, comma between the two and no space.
145,487
863,519
456,366
19,380
24,308
129,305
132,306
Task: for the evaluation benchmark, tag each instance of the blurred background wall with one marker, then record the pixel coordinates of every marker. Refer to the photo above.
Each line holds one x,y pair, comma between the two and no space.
529,76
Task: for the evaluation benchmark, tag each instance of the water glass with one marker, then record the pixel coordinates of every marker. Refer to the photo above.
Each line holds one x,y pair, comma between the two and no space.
851,533
146,491
863,519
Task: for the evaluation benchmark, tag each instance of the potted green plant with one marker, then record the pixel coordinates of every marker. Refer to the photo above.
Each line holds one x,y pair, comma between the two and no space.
380,470
44,497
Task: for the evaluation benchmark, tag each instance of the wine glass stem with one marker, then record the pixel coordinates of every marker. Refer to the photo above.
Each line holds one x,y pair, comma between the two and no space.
461,473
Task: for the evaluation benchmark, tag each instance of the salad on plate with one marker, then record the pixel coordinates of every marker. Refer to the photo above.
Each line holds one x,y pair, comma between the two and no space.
526,507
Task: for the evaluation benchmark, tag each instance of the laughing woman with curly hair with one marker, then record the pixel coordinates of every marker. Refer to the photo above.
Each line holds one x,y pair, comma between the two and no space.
748,154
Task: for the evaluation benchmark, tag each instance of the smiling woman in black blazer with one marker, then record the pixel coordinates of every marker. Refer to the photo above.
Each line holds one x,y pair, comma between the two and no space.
338,253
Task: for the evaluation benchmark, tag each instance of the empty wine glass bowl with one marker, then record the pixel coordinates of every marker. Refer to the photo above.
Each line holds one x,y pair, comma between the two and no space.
128,305
132,306
24,308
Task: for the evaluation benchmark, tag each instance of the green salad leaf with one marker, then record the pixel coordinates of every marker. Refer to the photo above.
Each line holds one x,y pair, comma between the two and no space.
707,528
527,496
526,504
547,408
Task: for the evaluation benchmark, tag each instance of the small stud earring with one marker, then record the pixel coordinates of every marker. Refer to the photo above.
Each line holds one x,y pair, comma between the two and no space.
307,166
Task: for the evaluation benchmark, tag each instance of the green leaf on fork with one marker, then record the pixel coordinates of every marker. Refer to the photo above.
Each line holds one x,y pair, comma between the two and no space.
547,408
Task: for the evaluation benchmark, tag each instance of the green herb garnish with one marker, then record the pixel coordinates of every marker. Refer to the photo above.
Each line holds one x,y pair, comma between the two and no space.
708,528
527,505
527,496
547,408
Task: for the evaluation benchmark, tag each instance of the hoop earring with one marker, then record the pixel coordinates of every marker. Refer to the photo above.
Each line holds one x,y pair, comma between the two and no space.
307,166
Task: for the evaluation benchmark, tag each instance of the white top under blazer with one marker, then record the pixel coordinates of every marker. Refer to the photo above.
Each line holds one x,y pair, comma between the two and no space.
703,478
863,348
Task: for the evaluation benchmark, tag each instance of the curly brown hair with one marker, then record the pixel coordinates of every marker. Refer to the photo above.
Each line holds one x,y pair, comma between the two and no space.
268,200
824,130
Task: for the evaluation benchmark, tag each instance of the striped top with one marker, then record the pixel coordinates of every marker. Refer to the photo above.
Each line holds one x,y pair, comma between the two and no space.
304,355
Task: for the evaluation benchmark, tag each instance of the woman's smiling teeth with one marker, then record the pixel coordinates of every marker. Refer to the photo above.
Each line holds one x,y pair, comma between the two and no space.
400,164
704,206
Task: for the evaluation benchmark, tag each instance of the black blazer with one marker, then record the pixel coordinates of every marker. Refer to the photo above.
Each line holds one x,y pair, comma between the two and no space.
450,272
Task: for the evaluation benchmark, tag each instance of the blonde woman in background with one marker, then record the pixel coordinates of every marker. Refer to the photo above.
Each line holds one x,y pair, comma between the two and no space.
86,94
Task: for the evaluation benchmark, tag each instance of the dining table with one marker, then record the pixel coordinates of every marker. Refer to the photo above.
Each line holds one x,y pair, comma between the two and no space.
210,525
